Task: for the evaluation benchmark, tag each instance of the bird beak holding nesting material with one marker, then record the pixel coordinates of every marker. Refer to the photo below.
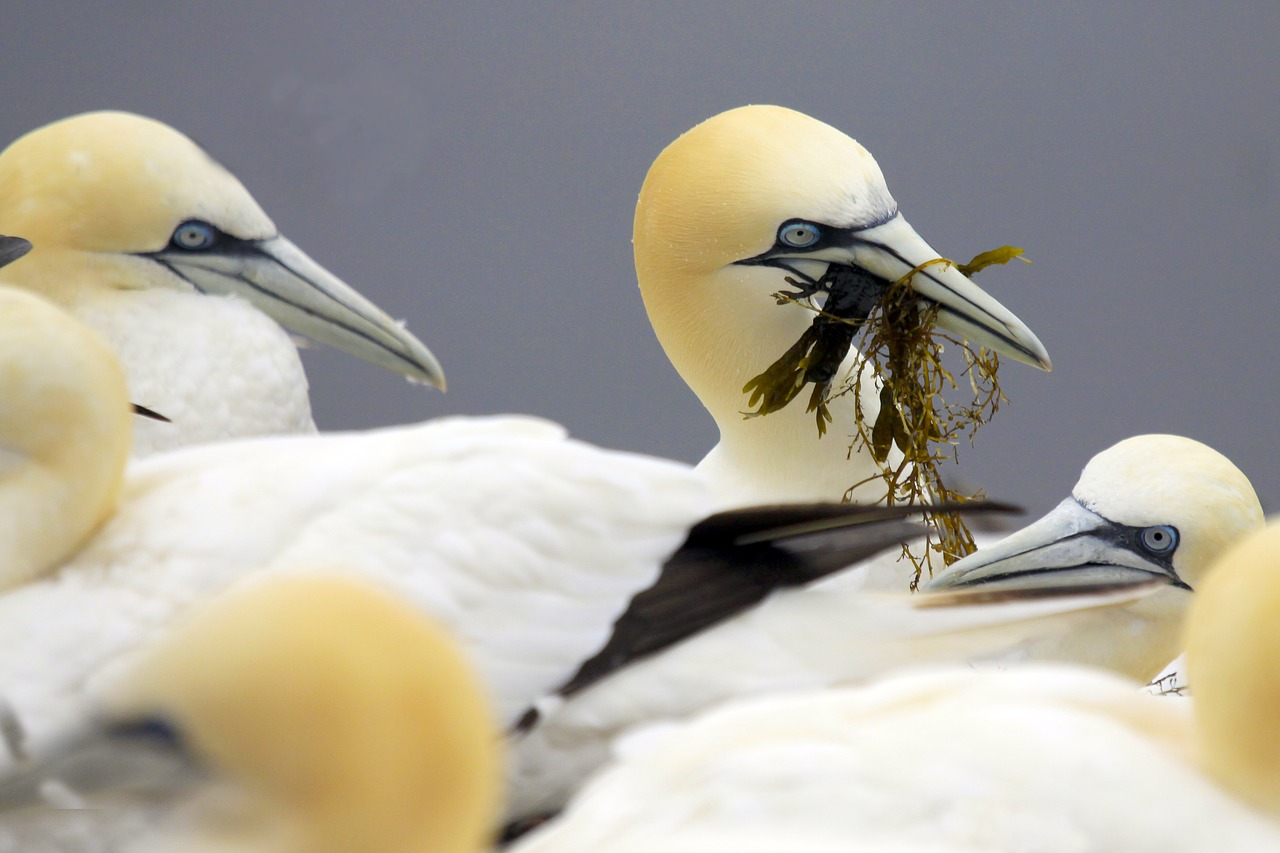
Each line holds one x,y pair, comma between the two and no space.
889,249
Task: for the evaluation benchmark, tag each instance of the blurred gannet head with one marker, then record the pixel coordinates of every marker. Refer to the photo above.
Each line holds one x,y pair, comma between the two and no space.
116,201
1232,639
307,714
65,427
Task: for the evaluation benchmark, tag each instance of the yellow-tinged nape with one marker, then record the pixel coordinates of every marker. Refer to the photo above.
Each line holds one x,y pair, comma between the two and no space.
1233,664
353,722
65,423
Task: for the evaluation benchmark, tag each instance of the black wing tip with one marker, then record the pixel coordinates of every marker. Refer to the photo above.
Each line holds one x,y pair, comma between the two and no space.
152,414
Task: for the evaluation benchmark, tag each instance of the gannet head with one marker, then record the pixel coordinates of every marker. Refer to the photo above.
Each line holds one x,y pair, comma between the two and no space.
146,207
1232,638
1152,505
759,193
65,431
336,719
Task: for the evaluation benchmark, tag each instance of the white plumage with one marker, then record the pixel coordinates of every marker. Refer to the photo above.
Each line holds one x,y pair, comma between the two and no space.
1055,760
525,543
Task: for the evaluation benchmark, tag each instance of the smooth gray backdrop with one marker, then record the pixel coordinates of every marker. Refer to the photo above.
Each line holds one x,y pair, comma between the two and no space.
473,168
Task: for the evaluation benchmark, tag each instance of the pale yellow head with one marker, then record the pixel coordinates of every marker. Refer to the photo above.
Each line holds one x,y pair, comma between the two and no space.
65,426
716,196
355,722
1172,480
1233,664
115,202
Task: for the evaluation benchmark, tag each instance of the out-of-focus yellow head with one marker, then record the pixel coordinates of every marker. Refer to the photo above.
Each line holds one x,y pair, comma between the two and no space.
65,424
1233,663
354,721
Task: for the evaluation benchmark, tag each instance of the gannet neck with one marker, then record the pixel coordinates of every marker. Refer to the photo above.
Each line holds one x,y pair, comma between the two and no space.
717,349
64,435
354,721
1233,662
216,367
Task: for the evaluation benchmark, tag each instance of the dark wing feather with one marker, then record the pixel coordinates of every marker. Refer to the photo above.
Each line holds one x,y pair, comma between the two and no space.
732,560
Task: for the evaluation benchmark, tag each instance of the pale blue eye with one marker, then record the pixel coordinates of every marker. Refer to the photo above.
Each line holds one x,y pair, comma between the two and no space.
799,235
1159,540
194,236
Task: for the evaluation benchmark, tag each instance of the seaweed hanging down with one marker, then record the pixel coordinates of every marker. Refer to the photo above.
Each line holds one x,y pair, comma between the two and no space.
899,340
852,296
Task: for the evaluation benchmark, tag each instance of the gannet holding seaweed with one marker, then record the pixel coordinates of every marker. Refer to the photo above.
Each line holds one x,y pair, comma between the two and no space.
310,714
1152,511
1052,759
143,236
726,213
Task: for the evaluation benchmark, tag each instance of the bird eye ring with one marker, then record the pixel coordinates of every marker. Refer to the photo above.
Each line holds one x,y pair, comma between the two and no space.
798,234
1161,539
194,236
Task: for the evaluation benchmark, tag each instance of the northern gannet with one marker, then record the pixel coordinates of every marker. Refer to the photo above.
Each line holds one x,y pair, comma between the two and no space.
527,544
143,236
1151,506
1154,510
1045,758
310,714
726,213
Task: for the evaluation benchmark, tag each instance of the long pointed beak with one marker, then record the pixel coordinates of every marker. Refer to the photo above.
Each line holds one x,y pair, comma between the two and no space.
1070,546
892,249
299,294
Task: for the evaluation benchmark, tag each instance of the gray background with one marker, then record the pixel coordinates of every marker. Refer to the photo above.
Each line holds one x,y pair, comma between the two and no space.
473,168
